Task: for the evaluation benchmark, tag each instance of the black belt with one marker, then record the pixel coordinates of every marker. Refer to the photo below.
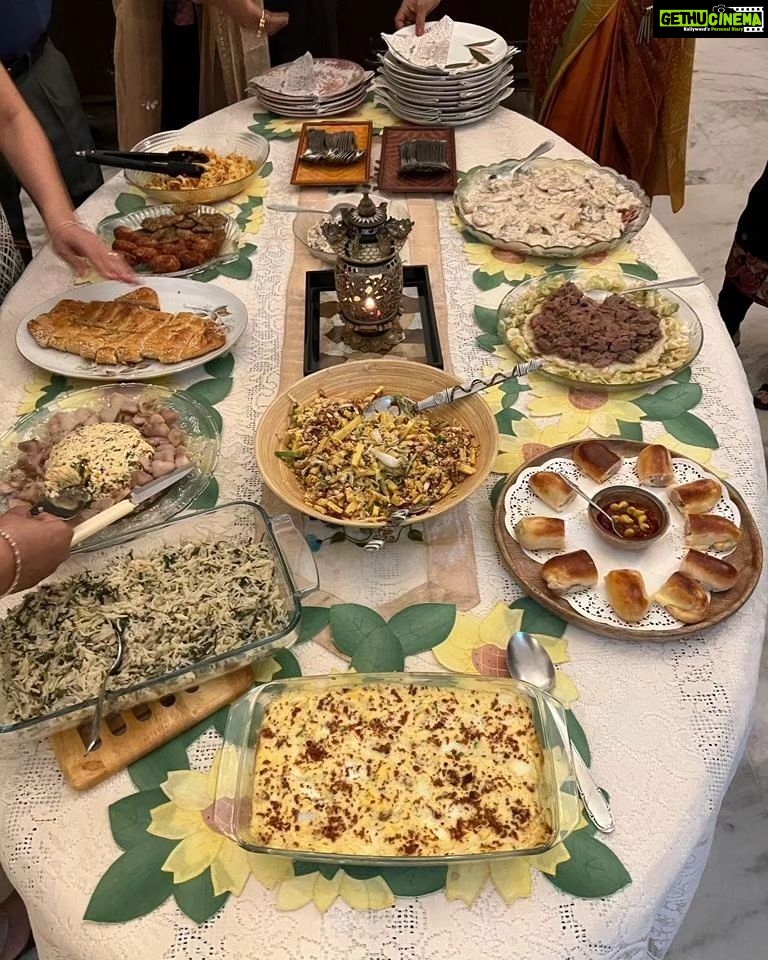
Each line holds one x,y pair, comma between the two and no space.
20,65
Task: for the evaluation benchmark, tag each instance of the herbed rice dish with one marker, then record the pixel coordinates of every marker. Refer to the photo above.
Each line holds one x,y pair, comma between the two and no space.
175,607
626,340
353,467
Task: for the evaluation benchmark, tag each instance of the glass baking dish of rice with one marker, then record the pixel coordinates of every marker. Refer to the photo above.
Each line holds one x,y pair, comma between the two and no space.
201,595
398,769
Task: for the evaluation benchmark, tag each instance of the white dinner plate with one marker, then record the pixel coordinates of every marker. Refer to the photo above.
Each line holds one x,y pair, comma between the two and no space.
176,295
233,235
332,78
326,110
419,93
490,48
446,81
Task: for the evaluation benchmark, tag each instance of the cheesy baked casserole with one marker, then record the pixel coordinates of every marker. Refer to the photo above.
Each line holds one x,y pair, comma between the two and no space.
390,770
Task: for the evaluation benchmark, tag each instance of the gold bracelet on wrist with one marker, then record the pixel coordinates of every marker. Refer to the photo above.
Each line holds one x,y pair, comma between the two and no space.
262,23
16,560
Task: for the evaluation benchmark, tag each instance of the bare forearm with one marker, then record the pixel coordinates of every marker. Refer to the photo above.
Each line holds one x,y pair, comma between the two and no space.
27,150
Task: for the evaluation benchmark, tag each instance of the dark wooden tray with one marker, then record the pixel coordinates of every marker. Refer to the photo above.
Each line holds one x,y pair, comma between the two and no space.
392,181
747,558
427,337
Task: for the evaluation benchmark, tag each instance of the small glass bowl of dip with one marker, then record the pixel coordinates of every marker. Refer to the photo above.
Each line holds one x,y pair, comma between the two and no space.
642,517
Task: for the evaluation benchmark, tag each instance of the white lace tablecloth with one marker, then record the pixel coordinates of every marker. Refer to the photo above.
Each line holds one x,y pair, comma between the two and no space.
667,722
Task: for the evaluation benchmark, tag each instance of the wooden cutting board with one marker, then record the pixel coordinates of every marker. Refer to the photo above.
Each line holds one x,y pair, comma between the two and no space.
131,734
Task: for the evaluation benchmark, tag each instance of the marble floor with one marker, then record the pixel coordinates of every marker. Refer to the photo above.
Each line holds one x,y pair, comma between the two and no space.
727,152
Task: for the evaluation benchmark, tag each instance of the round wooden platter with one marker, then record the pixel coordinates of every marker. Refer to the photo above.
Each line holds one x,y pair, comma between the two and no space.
747,558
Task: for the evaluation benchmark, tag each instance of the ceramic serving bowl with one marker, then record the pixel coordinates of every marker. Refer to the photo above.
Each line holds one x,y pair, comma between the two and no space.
620,499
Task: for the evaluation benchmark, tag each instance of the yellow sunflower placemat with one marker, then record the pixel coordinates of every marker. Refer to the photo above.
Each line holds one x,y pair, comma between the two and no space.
171,850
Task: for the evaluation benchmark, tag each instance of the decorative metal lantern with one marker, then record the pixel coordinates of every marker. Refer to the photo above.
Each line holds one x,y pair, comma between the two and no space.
369,271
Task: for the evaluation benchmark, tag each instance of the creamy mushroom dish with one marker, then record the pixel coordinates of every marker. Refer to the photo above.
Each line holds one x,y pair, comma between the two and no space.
550,206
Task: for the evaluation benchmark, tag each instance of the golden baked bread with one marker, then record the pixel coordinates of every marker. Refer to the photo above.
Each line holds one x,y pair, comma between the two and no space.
654,466
569,570
711,572
552,489
540,533
700,496
129,329
683,598
626,593
706,530
597,460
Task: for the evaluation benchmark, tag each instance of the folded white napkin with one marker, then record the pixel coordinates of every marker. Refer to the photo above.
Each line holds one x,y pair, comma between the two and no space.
297,78
430,50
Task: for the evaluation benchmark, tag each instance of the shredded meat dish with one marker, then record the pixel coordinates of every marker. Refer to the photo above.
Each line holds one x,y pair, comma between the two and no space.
573,327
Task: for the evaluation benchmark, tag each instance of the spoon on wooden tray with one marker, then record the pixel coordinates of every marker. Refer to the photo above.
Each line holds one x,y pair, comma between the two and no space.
600,296
527,660
397,404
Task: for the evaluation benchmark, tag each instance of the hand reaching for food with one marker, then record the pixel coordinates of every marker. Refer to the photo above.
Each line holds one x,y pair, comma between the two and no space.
79,247
415,11
31,548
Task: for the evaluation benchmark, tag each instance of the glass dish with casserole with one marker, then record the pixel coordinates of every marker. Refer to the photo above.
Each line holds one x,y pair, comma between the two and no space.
392,768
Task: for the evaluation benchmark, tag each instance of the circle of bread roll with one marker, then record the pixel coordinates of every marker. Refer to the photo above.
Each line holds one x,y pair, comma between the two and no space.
711,572
700,496
540,533
627,596
552,489
569,570
683,598
706,530
654,466
597,460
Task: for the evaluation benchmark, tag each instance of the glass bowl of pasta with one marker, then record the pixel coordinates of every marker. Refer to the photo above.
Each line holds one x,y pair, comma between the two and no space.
234,160
638,339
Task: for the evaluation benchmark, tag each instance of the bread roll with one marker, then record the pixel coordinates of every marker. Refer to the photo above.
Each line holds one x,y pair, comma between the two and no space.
626,593
596,460
711,572
683,598
540,533
697,497
552,489
654,466
706,530
569,570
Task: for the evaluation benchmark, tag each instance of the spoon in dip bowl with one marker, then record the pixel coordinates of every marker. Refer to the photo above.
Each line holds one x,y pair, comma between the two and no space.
600,296
614,521
528,661
542,148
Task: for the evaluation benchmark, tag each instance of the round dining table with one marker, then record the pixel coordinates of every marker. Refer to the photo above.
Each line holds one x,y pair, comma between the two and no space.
667,721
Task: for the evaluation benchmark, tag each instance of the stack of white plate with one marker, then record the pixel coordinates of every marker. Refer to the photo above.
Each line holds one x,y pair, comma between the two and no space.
334,87
477,77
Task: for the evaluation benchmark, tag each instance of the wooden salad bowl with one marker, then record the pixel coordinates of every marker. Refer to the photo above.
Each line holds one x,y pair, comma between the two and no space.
358,379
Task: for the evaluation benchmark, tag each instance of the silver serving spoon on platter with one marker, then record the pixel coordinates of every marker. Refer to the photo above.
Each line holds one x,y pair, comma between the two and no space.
118,627
333,213
542,148
600,296
399,404
527,660
613,520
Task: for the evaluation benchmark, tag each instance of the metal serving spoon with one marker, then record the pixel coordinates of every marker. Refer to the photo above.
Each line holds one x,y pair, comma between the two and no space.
533,155
527,660
118,627
600,296
334,212
70,501
613,520
399,404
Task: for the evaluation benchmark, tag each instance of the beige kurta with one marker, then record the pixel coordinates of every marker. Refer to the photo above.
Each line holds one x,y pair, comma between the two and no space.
229,57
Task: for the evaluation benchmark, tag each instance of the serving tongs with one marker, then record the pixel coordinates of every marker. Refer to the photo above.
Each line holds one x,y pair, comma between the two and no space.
175,163
336,148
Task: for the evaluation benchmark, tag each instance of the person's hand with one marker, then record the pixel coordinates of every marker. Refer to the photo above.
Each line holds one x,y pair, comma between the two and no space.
43,543
247,13
79,247
415,11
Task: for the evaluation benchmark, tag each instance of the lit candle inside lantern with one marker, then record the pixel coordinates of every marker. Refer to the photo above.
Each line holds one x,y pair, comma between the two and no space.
370,307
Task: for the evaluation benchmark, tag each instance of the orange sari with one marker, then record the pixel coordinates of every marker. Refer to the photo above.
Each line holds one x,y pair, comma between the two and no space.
624,103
